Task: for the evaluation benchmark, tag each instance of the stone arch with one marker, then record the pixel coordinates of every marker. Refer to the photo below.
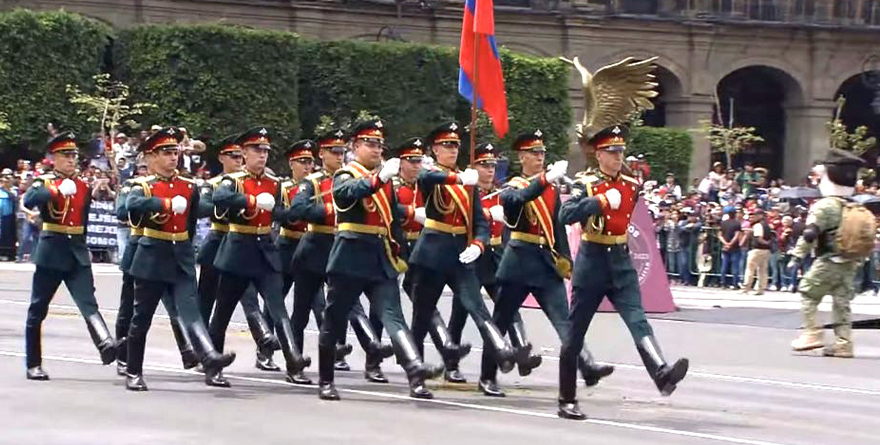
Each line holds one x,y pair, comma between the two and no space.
790,78
769,99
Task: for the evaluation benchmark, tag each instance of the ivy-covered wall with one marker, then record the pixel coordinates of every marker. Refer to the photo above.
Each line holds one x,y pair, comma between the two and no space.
40,54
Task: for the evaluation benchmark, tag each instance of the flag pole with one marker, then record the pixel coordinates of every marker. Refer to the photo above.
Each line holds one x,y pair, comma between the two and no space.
472,196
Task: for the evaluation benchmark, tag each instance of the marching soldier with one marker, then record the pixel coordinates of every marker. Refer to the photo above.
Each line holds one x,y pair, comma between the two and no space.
455,235
366,257
63,199
602,201
230,157
166,206
833,271
313,204
536,259
487,265
126,296
411,153
252,201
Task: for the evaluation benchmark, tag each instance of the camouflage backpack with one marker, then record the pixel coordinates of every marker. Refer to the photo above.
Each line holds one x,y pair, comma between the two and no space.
856,233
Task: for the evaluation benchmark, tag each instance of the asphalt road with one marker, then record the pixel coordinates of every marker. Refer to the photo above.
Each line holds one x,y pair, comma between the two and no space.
744,387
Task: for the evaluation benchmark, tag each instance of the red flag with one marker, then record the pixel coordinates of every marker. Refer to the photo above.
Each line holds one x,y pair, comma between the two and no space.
478,29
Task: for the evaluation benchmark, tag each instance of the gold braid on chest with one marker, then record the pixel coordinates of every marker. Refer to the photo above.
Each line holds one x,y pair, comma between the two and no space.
442,207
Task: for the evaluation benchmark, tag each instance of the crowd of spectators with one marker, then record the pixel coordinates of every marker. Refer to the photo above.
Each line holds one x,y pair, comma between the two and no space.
105,163
735,229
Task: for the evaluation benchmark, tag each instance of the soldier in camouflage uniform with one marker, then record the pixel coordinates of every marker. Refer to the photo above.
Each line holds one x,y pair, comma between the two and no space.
830,273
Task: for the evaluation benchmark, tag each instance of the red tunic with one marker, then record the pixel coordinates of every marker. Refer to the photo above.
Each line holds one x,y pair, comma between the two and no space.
76,211
288,191
617,221
408,197
166,189
252,186
495,227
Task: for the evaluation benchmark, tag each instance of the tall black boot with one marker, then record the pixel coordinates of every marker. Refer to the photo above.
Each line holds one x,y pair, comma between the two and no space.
591,371
33,351
101,337
184,345
212,360
266,341
121,356
134,379
504,355
326,359
665,377
568,404
369,339
451,352
526,361
296,362
416,370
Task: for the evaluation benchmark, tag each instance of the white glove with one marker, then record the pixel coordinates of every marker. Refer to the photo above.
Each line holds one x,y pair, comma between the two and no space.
67,187
468,177
556,171
420,215
389,169
470,254
613,197
427,162
178,205
265,201
497,213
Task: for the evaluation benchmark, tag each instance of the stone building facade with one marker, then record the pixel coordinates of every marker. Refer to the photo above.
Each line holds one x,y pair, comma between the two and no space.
802,52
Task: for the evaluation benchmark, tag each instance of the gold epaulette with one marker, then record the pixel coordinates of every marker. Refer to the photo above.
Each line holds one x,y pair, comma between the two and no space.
187,179
270,176
45,177
629,179
315,176
216,180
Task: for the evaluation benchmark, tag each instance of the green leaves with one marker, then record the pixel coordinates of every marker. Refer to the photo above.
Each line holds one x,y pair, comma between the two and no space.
858,141
728,140
665,149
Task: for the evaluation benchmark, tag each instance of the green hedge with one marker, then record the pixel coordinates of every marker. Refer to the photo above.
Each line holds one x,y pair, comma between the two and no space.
214,79
41,53
415,87
665,149
217,79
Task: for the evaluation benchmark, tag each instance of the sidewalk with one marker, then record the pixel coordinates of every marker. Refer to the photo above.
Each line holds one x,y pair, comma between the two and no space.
687,297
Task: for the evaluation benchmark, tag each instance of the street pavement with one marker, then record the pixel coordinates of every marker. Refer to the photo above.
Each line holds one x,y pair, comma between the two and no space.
745,387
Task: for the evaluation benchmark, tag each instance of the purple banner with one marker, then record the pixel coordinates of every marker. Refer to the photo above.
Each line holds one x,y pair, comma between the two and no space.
653,282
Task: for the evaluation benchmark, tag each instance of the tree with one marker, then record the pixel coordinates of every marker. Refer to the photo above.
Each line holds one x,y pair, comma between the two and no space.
4,122
108,105
840,138
728,140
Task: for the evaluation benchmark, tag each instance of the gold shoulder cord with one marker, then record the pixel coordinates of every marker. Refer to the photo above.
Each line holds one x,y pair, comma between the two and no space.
239,188
595,223
333,198
225,212
437,198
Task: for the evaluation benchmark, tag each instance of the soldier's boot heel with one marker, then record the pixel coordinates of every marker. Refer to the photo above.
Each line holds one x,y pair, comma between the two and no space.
525,360
808,340
135,382
373,369
592,371
409,358
505,356
296,361
211,359
569,409
101,338
188,356
842,348
34,353
121,356
665,377
214,377
326,388
451,352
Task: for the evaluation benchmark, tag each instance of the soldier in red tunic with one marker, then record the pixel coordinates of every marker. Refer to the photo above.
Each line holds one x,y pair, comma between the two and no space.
247,254
412,204
602,201
165,204
63,199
